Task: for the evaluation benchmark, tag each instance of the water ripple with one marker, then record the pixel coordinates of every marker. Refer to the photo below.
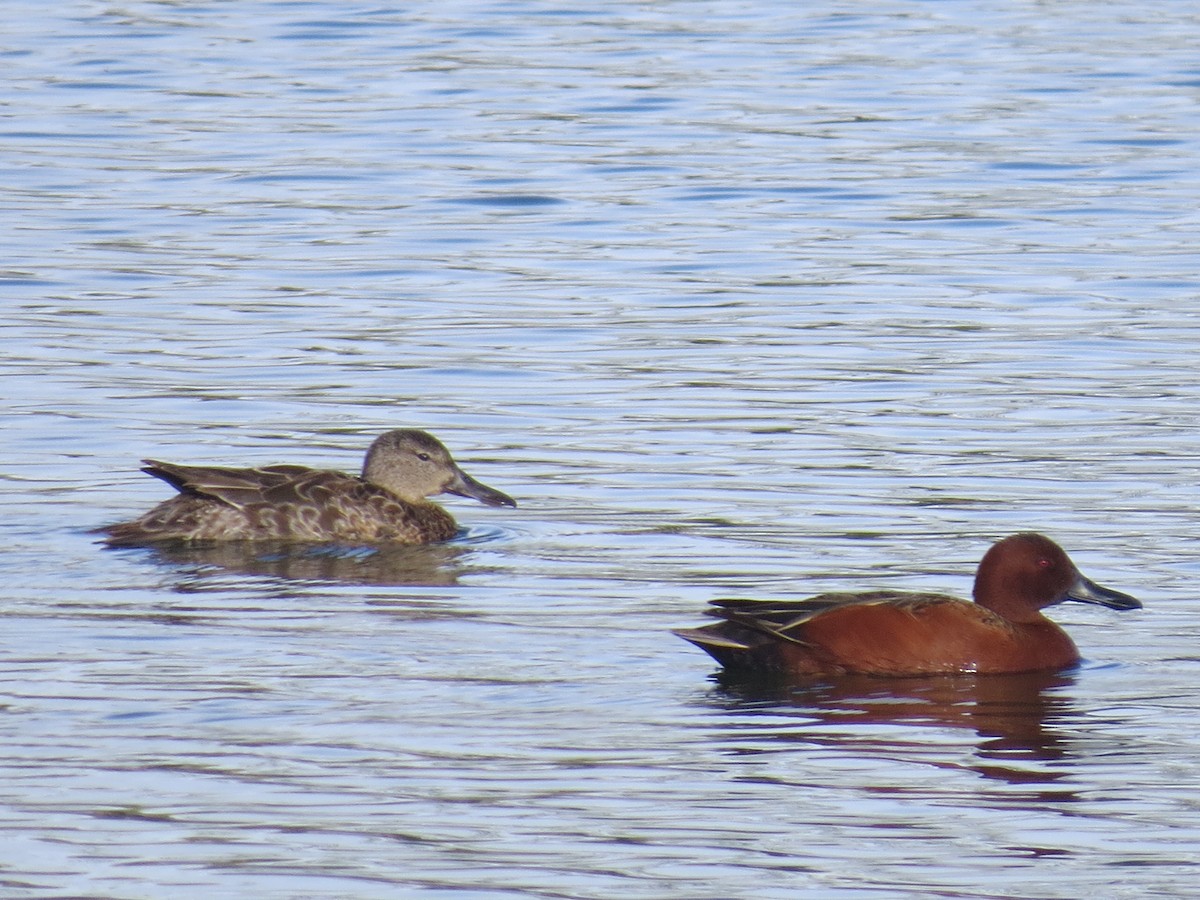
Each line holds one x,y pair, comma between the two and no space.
759,299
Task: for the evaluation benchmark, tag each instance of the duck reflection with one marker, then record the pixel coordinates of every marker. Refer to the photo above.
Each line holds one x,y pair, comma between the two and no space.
1014,718
433,565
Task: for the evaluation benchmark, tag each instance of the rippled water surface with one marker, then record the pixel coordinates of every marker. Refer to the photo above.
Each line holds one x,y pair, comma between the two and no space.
736,299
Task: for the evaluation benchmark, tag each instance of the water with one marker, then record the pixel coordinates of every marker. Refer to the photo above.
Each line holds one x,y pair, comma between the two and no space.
735,299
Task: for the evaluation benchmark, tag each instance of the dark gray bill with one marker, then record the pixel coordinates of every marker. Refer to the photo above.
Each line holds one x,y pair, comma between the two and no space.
466,486
1087,591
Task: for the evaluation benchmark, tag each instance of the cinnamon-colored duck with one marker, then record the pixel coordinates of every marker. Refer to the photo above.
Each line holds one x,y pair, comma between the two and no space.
387,504
897,633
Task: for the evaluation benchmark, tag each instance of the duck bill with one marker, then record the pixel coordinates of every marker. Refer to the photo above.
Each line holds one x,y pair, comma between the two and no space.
465,486
1084,590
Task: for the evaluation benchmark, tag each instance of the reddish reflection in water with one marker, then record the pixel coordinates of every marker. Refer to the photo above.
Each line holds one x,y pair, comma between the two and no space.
1013,718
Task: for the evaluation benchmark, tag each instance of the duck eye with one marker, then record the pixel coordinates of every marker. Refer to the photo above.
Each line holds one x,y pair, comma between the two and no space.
1044,563
424,457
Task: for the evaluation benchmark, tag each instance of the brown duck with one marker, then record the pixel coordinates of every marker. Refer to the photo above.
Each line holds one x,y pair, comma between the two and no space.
897,633
387,504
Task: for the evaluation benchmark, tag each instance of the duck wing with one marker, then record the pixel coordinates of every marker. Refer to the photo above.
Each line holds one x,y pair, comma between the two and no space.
746,622
238,488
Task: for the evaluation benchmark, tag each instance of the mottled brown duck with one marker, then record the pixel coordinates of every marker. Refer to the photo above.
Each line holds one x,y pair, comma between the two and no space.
388,503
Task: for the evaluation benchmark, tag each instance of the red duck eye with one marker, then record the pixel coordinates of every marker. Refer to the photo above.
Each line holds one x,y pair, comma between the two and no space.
1044,563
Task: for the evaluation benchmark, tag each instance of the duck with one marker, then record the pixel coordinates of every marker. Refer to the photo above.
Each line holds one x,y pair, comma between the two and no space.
898,633
387,504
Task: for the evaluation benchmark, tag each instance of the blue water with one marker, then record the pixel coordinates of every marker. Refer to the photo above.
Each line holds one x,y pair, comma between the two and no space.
754,299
